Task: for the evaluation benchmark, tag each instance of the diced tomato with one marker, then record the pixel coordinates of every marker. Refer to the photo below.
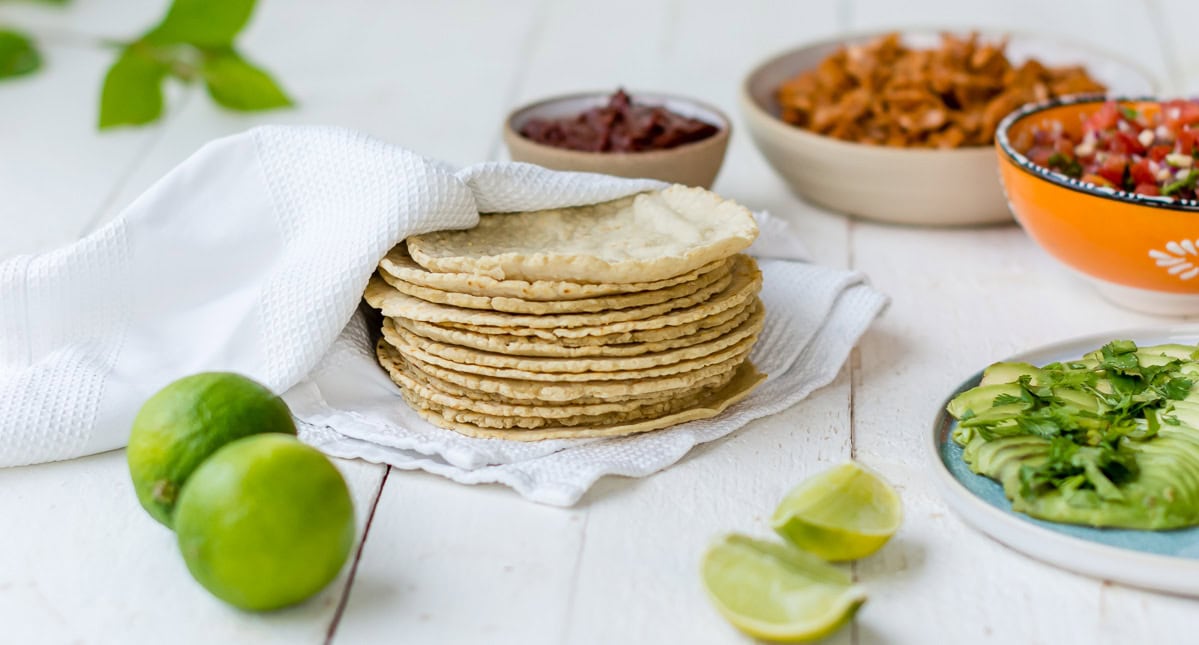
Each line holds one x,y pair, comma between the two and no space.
1122,152
1190,113
1159,152
1105,118
1179,112
1126,144
1064,146
1112,169
1187,139
1040,156
1141,174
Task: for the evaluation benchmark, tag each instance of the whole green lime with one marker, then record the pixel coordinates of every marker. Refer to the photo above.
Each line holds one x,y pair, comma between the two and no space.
265,522
188,420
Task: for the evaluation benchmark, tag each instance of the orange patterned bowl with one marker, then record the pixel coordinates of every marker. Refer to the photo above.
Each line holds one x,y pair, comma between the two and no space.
1140,252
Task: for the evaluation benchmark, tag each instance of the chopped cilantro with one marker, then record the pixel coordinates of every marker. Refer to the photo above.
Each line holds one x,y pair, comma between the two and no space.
1091,412
1066,165
1120,355
1008,399
1177,389
1186,183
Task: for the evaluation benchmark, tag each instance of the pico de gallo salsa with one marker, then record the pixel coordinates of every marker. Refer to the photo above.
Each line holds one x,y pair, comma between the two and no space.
1153,153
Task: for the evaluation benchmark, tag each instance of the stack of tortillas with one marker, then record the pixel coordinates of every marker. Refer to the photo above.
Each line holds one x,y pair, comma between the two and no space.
603,320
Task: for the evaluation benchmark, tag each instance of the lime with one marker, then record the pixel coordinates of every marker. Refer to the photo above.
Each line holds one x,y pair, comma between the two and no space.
844,513
265,522
187,421
776,592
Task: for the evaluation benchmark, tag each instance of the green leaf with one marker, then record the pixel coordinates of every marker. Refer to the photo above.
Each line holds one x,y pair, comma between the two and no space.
1187,182
1066,165
18,56
237,84
206,23
1008,399
132,93
1120,355
1178,388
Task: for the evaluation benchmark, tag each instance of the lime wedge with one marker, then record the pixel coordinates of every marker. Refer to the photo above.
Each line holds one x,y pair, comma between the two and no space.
844,513
776,592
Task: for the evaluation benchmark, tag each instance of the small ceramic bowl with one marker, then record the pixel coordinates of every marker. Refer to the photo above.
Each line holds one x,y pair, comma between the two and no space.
919,186
692,164
1140,252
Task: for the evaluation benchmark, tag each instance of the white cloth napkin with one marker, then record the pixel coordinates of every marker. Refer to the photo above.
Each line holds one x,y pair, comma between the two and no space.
252,256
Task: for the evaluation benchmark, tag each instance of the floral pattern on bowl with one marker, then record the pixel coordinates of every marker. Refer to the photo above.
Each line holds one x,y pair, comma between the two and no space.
1174,258
1140,251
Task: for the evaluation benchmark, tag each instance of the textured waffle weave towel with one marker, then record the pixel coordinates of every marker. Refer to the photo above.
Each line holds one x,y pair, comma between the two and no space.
252,256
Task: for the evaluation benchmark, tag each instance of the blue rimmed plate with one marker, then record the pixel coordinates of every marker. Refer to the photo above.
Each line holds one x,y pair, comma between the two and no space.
1160,560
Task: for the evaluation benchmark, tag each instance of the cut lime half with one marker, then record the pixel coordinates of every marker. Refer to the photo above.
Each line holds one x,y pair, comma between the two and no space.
776,592
841,514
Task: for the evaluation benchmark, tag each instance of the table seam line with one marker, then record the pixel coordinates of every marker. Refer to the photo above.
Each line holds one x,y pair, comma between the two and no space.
342,602
855,358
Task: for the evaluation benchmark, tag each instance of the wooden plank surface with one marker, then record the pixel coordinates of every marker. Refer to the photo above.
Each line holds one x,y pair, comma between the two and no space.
57,173
80,562
445,563
648,535
1174,22
963,299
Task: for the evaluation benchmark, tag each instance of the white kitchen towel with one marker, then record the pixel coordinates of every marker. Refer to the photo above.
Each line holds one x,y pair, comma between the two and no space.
252,256
348,407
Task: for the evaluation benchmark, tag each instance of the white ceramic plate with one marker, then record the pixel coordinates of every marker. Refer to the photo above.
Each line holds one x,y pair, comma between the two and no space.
1159,560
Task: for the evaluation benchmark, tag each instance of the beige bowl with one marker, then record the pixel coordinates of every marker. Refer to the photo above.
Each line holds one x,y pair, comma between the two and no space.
691,164
902,185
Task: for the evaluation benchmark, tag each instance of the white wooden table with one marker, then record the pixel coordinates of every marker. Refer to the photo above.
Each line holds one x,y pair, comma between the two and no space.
444,563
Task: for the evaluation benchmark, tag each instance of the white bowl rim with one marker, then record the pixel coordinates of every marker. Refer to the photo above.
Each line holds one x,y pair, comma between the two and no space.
724,128
787,130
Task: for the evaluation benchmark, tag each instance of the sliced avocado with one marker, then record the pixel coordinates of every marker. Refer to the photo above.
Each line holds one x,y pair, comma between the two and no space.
994,415
994,456
1009,373
1172,351
1103,467
1189,368
1147,359
1079,399
1187,412
1088,363
980,399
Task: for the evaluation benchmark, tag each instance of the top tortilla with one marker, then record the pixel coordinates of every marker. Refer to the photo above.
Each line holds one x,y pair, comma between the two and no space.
642,238
400,265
